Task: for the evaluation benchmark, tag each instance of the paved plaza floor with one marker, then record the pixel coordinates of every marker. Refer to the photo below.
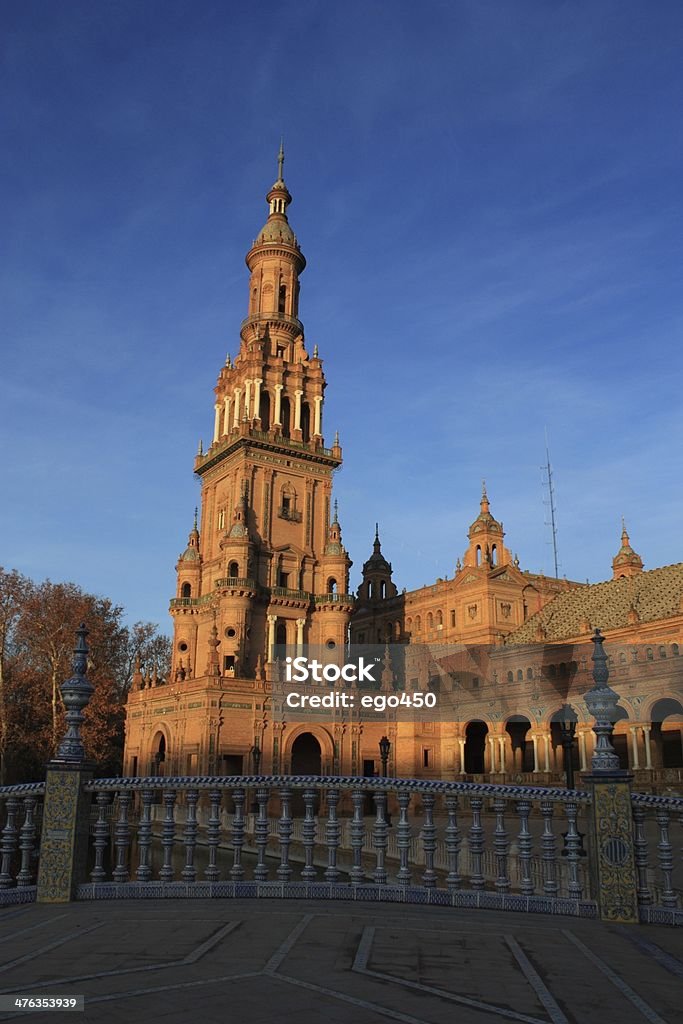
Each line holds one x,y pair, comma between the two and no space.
281,962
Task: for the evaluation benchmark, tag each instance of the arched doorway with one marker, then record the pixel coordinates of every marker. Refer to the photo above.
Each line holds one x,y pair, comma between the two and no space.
517,729
667,723
306,755
158,754
475,746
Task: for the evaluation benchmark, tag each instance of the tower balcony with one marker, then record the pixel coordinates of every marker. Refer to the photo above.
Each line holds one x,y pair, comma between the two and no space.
340,600
281,321
236,583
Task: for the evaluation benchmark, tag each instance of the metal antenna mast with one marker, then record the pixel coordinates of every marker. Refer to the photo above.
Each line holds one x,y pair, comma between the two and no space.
551,500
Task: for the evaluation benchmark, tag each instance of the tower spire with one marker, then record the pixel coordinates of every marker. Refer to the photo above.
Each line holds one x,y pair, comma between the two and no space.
281,158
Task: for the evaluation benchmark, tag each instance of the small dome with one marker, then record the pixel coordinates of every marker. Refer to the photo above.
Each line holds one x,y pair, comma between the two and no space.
277,229
190,554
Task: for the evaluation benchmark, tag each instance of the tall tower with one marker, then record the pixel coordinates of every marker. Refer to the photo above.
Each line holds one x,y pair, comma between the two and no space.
266,564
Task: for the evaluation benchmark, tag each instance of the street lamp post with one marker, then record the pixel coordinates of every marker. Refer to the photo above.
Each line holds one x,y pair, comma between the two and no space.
384,748
567,733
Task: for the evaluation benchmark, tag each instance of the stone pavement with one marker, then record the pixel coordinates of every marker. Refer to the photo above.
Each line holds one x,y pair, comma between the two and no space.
281,962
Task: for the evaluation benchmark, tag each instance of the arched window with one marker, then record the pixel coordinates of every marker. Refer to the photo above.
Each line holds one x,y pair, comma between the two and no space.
648,653
282,300
494,555
452,619
186,590
430,621
622,658
674,650
418,624
409,624
285,416
478,555
511,677
383,590
305,422
530,673
662,652
233,570
439,618
520,675
267,298
397,629
264,411
331,585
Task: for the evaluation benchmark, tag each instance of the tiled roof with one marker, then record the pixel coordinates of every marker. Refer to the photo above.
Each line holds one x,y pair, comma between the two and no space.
655,595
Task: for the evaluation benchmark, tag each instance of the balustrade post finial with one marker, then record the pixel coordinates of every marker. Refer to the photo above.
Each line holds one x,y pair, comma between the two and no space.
601,700
76,693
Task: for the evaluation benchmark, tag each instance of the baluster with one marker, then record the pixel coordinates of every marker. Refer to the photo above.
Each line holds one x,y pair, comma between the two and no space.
453,880
122,837
237,871
189,872
284,871
98,874
144,872
213,836
666,860
404,876
27,841
309,873
429,841
572,842
8,845
549,851
332,836
640,847
357,836
526,882
501,846
261,832
168,835
476,843
379,838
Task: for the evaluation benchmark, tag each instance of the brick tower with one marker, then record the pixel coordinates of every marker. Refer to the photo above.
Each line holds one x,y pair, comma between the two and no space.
265,563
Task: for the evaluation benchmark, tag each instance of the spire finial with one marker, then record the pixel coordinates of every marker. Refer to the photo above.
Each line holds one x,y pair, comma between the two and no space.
376,531
196,512
336,511
483,489
281,158
336,438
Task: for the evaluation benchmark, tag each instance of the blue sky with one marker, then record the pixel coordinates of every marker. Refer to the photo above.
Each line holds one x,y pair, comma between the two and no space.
488,193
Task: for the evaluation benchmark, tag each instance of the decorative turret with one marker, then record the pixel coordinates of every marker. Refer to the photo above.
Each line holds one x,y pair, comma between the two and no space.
626,562
336,561
485,535
377,583
189,565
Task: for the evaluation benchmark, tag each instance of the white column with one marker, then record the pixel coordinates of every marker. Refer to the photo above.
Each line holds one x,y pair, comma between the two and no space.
272,619
501,744
247,398
217,422
634,740
582,751
534,740
277,422
257,397
297,409
461,741
317,415
226,415
236,410
648,752
492,752
300,623
546,740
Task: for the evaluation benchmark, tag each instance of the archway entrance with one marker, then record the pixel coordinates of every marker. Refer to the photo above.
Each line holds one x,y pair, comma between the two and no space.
667,723
475,744
158,754
517,729
306,755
